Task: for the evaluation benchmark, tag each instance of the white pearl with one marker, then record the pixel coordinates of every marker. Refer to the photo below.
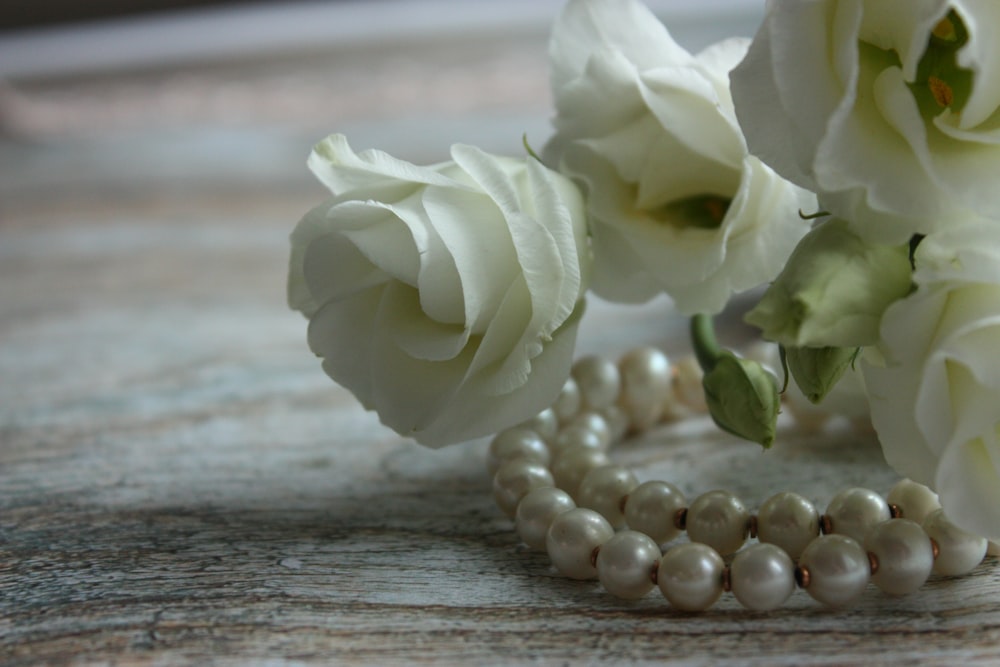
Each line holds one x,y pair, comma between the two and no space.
571,541
762,577
651,509
646,383
915,501
545,424
568,402
853,511
576,436
904,556
959,552
602,490
720,520
516,443
513,481
618,421
571,466
537,510
625,564
690,576
687,377
593,421
838,570
789,521
598,380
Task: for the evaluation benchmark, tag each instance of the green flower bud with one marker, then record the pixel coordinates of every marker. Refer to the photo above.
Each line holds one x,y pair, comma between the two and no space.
742,398
833,290
818,369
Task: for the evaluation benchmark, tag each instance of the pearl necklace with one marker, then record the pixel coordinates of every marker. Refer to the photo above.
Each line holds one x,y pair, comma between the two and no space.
552,476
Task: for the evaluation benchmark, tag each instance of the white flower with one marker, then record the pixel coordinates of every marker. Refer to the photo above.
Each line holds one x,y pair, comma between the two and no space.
445,298
676,204
935,396
888,109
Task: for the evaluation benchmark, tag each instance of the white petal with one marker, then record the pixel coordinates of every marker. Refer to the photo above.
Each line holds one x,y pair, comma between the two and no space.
342,333
968,485
475,233
313,225
981,54
337,166
585,26
480,412
409,393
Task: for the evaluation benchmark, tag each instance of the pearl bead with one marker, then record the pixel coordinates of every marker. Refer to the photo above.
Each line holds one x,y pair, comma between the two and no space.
762,577
959,552
690,576
571,541
593,421
577,436
720,520
568,402
646,383
545,424
789,521
618,421
854,511
687,377
915,501
513,481
598,380
904,556
625,564
651,508
837,569
602,490
571,466
516,443
537,510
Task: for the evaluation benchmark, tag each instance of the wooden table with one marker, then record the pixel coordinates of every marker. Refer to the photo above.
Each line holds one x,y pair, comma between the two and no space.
181,484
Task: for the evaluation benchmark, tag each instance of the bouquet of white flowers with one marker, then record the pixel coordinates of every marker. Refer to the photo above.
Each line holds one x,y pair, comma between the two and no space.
847,155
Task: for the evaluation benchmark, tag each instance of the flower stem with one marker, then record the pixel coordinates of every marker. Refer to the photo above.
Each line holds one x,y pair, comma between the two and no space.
706,347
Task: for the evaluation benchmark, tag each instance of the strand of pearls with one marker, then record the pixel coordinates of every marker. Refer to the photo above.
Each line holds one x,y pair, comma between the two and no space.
552,475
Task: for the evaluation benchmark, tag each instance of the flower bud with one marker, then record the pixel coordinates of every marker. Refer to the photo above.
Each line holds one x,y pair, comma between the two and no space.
818,369
742,398
833,290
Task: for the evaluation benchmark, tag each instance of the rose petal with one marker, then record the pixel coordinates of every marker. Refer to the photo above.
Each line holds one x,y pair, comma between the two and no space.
586,26
342,332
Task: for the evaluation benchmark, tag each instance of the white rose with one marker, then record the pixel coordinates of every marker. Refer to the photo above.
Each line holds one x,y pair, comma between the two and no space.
888,109
445,298
676,204
935,397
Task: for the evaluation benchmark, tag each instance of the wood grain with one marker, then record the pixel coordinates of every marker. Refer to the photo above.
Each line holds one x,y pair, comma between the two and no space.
180,484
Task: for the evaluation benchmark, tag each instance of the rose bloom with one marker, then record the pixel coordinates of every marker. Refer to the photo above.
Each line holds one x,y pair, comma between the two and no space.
676,204
888,110
445,298
935,394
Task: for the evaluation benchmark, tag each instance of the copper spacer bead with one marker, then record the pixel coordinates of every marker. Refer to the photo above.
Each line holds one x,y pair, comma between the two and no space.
802,577
653,573
680,519
752,526
873,562
935,548
593,555
895,511
727,580
826,525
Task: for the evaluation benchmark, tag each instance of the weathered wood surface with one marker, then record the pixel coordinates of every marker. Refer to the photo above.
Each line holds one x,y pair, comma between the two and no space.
180,484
